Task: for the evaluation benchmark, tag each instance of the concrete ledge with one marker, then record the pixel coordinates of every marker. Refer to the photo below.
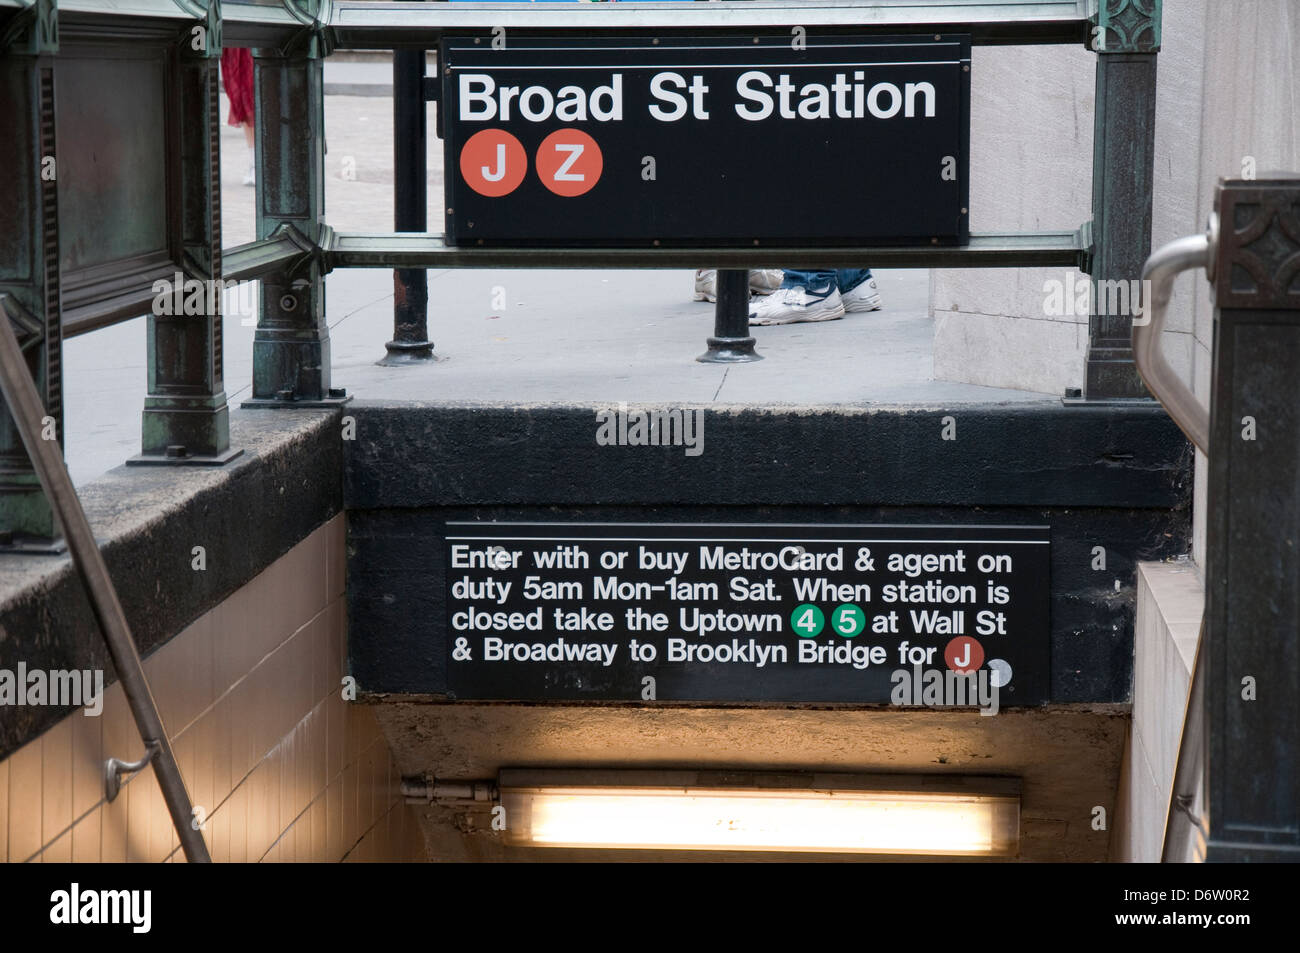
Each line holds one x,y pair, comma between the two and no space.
148,521
411,454
1171,601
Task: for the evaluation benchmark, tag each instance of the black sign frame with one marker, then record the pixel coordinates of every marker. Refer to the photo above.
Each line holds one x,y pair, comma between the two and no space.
709,187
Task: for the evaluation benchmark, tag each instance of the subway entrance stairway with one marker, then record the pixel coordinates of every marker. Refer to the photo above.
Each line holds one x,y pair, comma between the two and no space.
579,579
327,570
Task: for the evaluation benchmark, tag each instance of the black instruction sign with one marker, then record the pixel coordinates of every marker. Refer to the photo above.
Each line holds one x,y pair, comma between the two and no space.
749,612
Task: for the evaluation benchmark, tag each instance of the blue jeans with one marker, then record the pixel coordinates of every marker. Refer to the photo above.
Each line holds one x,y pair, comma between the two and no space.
823,281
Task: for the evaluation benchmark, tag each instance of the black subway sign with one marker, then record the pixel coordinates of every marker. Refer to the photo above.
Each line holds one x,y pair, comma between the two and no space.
871,614
793,139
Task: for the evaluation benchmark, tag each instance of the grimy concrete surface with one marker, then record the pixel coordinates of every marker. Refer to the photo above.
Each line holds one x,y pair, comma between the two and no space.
1067,757
538,336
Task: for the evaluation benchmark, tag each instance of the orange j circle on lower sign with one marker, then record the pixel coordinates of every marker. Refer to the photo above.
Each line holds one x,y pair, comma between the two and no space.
964,655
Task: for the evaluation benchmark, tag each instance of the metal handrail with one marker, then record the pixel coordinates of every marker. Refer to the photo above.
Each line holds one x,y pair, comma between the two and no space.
1164,265
1158,274
1181,821
28,413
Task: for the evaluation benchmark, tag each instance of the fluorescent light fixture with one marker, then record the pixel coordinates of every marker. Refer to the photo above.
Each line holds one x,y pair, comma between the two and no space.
725,811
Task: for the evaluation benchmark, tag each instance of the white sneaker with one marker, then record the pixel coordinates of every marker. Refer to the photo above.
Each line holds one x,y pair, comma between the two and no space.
764,281
250,177
706,285
761,282
865,297
793,305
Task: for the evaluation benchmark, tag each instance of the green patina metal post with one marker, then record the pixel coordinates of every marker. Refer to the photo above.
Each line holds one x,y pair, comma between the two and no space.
1126,38
291,348
186,419
29,260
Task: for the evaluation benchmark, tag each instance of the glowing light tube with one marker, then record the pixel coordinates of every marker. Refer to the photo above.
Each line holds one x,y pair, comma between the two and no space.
719,818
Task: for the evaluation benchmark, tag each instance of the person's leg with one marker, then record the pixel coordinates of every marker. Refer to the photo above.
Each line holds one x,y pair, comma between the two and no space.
858,289
237,76
850,278
250,177
803,296
816,282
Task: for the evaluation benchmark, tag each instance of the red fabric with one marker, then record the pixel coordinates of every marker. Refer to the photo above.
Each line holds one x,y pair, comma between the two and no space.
237,75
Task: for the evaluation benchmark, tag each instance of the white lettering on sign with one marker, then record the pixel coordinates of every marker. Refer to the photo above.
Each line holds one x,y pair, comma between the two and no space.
659,90
482,100
497,174
882,100
567,610
574,149
499,650
758,94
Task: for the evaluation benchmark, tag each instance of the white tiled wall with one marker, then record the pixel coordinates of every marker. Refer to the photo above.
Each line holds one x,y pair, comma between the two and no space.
250,695
1171,600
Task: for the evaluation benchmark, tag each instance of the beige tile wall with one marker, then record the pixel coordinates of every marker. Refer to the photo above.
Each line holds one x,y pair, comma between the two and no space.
250,695
1170,602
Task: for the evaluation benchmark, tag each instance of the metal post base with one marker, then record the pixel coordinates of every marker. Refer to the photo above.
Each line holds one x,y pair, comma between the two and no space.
1073,397
177,457
401,353
25,545
1111,374
731,343
730,351
337,398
